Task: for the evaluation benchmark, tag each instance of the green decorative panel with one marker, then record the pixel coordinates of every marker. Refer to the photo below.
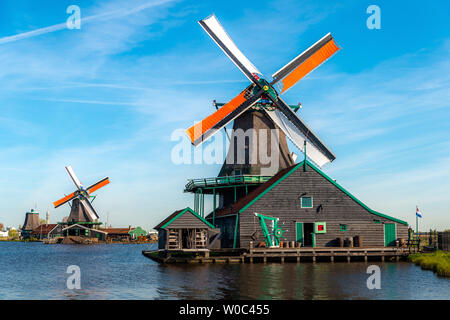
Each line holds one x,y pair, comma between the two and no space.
343,227
320,227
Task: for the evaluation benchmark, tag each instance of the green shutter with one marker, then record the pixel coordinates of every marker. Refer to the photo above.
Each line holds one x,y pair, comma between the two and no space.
299,232
389,234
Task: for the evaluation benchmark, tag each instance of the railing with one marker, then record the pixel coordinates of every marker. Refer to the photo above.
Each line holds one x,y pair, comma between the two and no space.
227,180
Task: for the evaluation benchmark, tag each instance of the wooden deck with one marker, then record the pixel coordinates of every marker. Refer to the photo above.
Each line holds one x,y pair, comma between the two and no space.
281,255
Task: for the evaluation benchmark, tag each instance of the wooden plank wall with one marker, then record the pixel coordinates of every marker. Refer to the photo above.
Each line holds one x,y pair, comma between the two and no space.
330,205
187,220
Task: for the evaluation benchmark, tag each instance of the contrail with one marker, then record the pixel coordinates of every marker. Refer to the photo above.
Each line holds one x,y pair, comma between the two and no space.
60,26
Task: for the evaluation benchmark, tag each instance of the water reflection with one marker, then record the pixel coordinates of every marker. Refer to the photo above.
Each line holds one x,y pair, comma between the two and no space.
37,271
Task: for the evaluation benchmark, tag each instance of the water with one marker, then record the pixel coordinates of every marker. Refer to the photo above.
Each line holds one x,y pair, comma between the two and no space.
38,271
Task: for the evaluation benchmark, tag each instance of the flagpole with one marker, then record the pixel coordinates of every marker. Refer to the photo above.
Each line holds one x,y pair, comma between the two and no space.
417,226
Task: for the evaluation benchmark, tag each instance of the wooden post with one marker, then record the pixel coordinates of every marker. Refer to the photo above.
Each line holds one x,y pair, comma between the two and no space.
365,256
282,259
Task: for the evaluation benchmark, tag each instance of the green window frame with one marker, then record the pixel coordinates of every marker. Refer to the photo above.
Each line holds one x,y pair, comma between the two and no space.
376,221
306,202
343,227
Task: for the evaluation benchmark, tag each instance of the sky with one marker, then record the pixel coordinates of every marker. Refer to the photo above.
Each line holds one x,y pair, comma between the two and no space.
106,99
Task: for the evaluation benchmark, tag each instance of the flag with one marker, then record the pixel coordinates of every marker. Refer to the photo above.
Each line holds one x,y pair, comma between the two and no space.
418,213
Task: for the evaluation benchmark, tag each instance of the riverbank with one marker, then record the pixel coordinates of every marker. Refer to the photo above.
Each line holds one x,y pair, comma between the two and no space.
438,261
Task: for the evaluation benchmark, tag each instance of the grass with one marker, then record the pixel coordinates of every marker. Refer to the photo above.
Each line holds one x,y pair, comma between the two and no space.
438,261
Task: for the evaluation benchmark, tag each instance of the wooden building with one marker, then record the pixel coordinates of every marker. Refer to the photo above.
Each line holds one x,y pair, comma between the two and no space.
312,209
185,229
118,234
47,231
82,231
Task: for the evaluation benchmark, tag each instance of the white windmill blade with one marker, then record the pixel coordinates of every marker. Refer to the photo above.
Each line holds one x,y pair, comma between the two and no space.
89,209
74,177
215,30
298,138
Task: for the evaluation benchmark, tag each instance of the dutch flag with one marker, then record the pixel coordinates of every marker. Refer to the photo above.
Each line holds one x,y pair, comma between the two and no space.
418,213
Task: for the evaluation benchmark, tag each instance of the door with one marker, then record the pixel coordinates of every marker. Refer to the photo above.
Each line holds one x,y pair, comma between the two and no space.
308,234
299,232
390,234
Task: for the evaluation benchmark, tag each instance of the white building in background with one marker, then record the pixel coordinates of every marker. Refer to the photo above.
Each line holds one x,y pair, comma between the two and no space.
3,234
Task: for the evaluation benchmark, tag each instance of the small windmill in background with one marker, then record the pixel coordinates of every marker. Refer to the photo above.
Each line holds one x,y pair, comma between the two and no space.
81,208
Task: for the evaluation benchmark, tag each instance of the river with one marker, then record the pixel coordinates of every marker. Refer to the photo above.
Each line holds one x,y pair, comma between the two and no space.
120,271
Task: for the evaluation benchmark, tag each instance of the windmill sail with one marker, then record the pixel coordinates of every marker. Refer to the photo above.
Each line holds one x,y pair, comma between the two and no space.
298,138
61,201
74,177
89,209
304,63
215,30
204,129
98,185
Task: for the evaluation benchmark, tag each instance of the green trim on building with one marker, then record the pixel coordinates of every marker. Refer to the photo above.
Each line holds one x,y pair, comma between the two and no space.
181,213
330,180
271,187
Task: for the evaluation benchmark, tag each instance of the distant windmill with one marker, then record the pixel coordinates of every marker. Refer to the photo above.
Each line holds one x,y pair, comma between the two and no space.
82,209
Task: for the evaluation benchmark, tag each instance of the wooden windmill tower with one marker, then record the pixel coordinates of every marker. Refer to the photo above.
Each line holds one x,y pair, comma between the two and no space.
258,107
82,211
31,222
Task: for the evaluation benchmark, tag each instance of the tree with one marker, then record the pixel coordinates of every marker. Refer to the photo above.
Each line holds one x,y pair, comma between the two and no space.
13,234
1,226
42,221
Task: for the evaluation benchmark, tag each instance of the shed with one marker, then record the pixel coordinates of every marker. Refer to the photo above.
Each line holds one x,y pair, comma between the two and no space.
185,229
118,234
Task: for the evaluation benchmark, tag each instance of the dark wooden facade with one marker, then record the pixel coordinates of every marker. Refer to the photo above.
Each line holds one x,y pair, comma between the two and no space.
344,215
185,229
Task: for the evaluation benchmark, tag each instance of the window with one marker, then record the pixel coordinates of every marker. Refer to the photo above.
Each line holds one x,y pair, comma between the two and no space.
306,202
376,221
237,172
343,227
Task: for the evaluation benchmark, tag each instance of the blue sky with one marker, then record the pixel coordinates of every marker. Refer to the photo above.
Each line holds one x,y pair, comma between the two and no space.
106,99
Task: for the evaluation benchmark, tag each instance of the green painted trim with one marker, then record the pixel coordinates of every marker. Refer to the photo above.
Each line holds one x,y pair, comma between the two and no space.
354,198
181,213
225,216
271,187
330,180
235,231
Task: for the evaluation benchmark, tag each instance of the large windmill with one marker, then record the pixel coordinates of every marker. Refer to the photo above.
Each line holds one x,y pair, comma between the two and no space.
259,106
81,208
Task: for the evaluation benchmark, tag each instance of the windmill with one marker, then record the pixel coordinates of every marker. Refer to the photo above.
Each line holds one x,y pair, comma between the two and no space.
81,208
262,95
